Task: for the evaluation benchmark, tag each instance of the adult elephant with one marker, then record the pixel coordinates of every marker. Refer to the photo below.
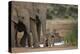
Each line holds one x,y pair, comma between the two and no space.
19,13
27,14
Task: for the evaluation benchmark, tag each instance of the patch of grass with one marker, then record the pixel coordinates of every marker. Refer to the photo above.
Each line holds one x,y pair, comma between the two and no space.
72,37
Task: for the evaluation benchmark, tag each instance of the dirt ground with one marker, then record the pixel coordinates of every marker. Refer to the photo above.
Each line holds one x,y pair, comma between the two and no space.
62,26
18,50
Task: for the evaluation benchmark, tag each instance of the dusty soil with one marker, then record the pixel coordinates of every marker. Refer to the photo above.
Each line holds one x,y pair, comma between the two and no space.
62,26
18,50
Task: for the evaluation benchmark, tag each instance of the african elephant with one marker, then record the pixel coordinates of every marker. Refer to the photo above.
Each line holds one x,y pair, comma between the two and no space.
33,17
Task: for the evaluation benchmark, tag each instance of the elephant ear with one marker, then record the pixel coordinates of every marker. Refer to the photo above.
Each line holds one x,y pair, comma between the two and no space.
14,16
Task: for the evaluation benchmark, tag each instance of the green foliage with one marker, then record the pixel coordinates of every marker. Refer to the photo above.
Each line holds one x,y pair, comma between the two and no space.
62,11
49,17
66,17
49,14
72,37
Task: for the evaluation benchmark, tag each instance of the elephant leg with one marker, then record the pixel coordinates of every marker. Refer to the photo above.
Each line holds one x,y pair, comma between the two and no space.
39,30
34,33
19,37
24,40
38,24
31,40
44,32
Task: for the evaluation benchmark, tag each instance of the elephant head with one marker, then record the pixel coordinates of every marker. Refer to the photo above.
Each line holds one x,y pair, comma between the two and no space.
23,12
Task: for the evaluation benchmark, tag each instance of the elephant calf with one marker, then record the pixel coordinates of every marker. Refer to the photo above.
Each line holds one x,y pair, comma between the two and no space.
50,39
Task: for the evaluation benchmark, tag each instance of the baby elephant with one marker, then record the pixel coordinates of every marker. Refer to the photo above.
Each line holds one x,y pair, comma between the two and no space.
51,41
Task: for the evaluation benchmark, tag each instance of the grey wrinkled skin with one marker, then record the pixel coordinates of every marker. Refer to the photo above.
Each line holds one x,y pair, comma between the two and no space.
33,16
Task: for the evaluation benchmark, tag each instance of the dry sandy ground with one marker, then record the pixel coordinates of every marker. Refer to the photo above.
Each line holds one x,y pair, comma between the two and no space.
62,26
18,50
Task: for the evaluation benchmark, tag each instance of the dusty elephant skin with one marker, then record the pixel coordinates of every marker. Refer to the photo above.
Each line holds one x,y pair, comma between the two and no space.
32,21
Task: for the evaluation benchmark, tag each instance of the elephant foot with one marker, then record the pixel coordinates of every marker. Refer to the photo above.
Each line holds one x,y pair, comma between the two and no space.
36,46
26,46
